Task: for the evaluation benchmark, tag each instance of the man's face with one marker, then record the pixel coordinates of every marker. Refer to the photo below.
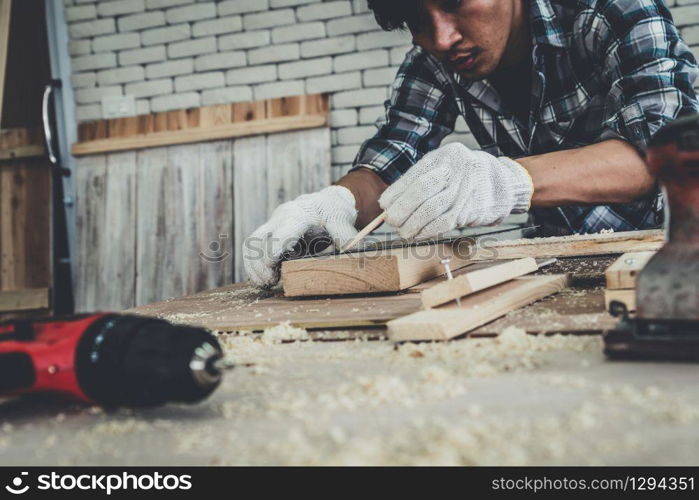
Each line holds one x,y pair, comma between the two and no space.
469,36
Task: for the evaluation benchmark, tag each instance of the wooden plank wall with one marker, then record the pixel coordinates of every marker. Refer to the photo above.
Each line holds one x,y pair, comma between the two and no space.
169,221
25,225
25,222
186,126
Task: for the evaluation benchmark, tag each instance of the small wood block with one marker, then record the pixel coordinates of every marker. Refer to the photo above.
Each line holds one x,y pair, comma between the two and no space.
386,271
627,297
476,280
622,274
478,309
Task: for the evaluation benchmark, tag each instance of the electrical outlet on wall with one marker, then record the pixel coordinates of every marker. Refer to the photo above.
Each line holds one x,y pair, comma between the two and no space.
118,106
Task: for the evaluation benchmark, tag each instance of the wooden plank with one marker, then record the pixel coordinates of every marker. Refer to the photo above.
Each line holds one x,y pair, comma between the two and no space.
214,217
450,320
184,220
24,300
622,273
152,225
627,297
90,217
202,124
106,232
5,15
16,143
25,222
576,311
22,152
487,248
194,135
250,193
474,280
397,269
388,271
223,309
118,261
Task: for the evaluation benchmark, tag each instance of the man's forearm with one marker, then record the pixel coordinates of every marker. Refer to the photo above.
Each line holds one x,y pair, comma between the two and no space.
366,186
611,171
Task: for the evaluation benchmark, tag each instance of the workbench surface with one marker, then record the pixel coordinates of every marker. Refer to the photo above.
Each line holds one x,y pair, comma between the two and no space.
515,399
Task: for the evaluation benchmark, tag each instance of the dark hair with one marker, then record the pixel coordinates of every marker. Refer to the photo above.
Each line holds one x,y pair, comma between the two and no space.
396,14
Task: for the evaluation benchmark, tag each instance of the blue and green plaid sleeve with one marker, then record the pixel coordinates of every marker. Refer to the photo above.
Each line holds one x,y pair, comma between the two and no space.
422,111
649,68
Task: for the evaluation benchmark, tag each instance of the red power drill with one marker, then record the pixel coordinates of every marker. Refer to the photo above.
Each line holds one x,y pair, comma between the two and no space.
109,359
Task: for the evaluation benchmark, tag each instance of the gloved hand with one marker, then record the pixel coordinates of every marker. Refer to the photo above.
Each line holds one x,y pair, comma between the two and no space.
329,212
452,187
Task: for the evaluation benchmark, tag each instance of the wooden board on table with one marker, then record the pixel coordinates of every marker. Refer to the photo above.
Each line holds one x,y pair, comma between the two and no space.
388,271
224,121
24,300
451,320
626,297
572,311
399,268
622,274
222,309
474,280
577,245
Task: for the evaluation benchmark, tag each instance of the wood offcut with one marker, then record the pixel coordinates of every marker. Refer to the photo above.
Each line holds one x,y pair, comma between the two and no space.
623,273
478,309
475,280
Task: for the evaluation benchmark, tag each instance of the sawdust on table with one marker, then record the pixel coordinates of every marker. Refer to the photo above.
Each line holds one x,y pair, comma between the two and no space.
283,332
369,403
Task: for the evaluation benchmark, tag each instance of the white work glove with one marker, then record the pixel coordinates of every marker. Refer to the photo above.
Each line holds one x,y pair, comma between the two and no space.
452,187
329,212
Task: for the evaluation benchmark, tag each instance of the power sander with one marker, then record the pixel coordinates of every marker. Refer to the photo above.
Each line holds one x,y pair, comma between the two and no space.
109,359
666,323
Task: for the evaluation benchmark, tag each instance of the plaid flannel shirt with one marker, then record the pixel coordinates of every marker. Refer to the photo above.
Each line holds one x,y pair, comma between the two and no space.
601,69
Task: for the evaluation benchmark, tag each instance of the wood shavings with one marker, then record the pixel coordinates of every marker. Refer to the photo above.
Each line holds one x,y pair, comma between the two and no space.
515,399
284,332
184,318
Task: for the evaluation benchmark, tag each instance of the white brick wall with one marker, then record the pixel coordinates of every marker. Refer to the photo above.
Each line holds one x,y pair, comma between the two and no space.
173,54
